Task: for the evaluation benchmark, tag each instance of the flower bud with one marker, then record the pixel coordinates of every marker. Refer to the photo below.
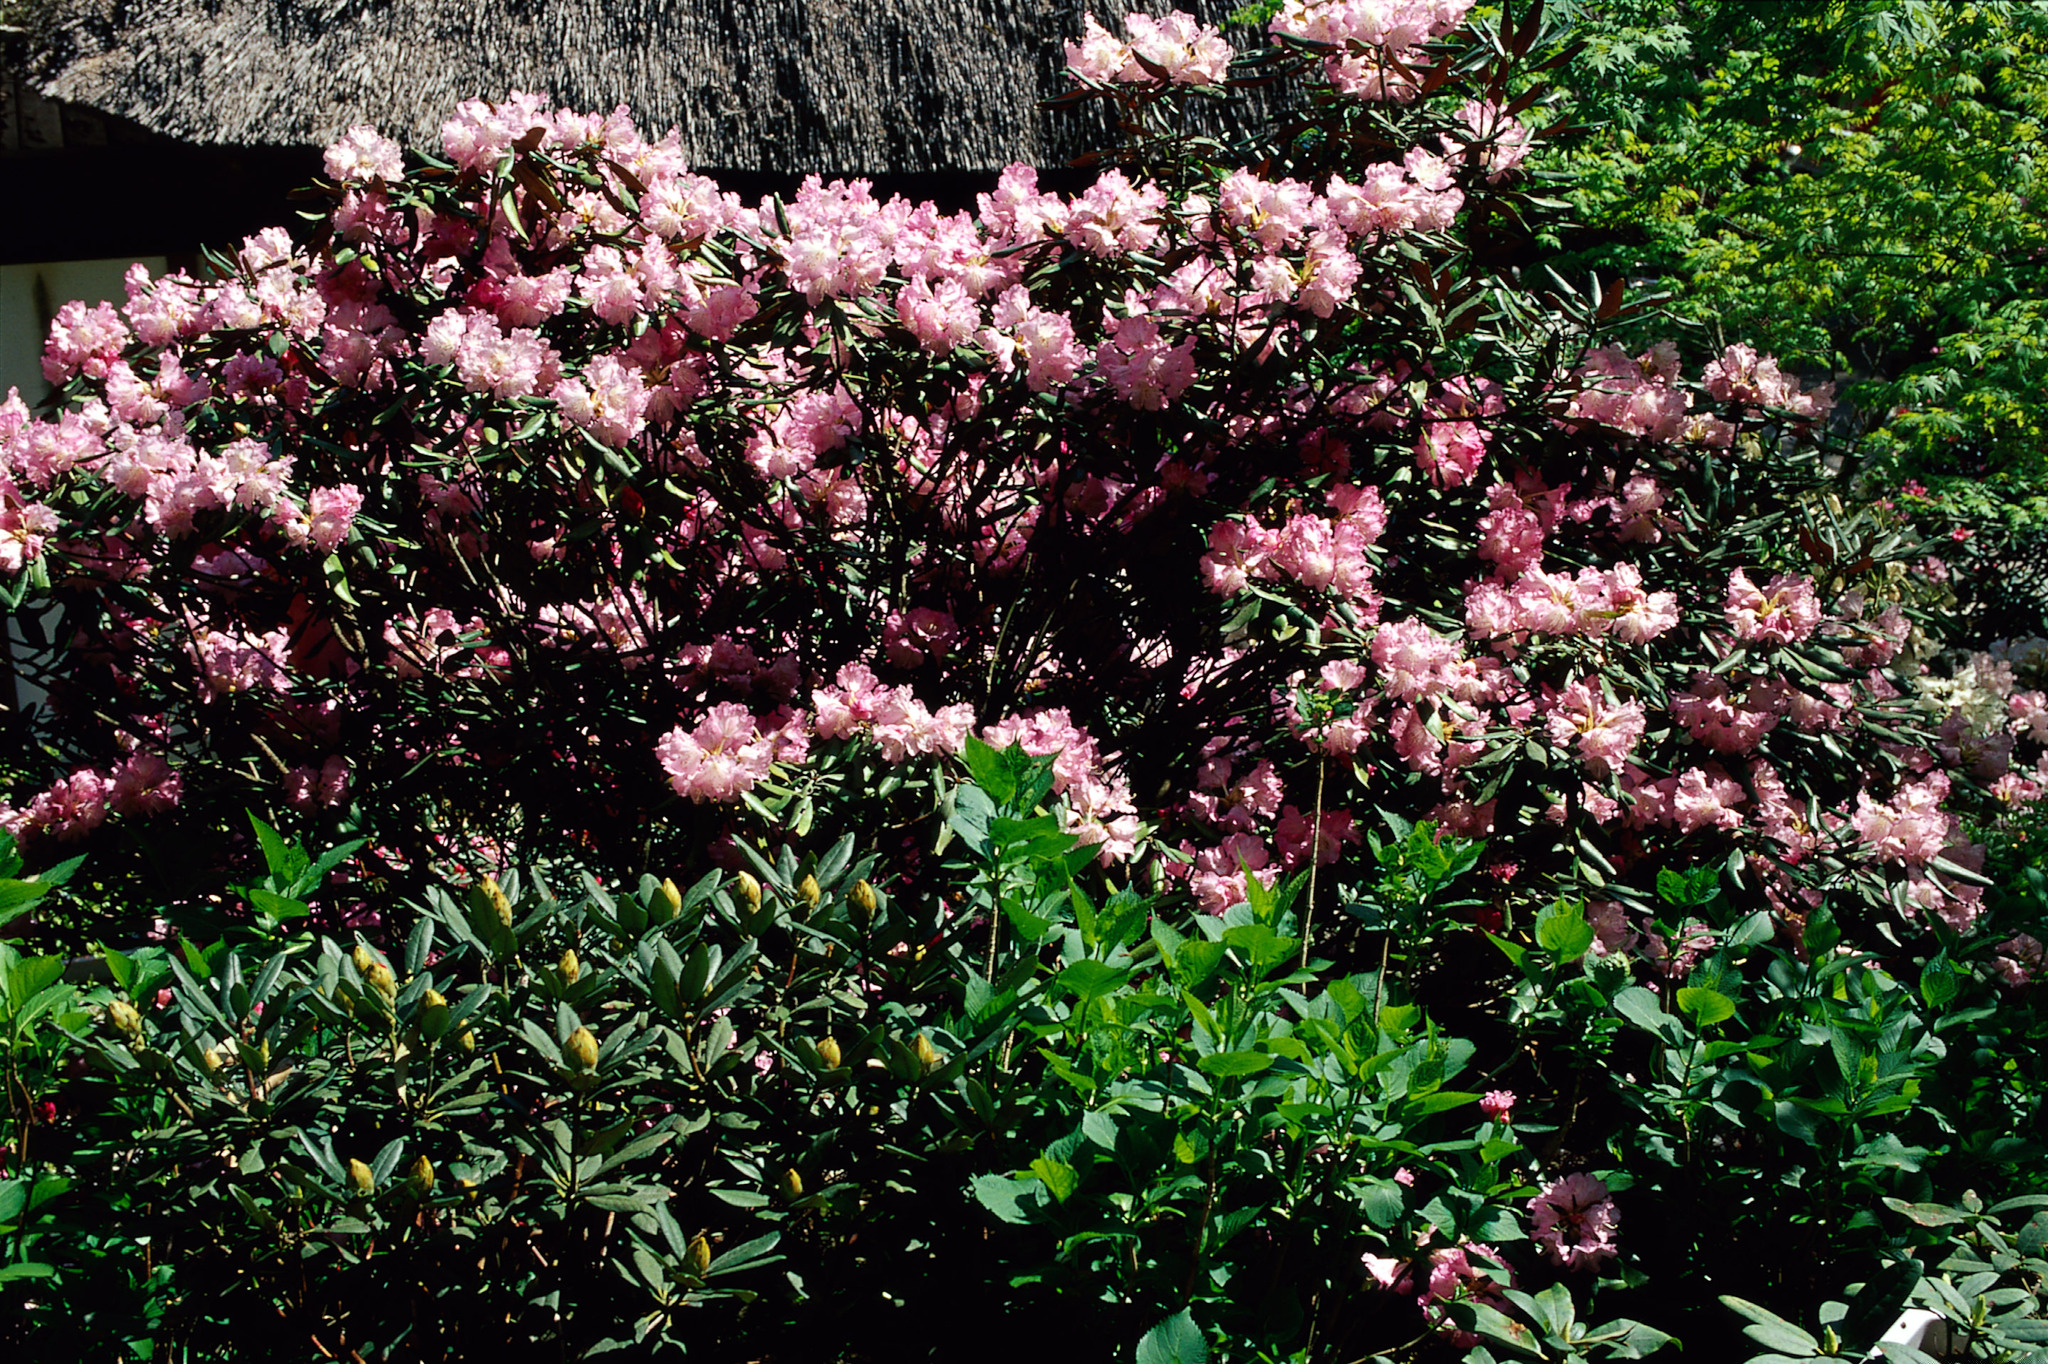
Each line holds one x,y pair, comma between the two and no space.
927,1055
364,959
124,1018
361,1176
792,1184
210,1059
380,979
500,906
422,1175
466,1039
581,1050
433,1015
750,891
570,967
697,1257
263,1056
862,898
807,891
670,896
828,1052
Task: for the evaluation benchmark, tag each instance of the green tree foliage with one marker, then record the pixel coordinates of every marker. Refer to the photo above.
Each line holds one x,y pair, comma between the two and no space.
1853,184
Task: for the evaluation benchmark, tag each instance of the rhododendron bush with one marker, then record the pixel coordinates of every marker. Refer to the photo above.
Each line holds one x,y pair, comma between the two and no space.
544,490
541,502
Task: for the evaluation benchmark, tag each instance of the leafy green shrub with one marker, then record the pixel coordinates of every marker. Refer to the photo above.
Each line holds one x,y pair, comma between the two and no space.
783,1110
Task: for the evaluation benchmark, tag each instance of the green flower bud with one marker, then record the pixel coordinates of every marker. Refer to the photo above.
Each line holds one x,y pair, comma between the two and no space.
500,906
364,959
927,1055
422,1175
581,1050
670,896
828,1052
125,1019
697,1258
807,891
862,898
380,979
792,1184
570,968
750,891
433,1015
361,1176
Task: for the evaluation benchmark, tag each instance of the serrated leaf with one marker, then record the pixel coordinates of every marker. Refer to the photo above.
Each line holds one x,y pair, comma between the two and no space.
1177,1340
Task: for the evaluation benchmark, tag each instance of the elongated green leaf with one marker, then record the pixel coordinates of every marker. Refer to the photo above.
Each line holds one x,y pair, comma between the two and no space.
1772,1331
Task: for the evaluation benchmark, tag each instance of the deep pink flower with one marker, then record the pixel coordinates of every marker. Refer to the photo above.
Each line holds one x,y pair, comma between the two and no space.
1573,1222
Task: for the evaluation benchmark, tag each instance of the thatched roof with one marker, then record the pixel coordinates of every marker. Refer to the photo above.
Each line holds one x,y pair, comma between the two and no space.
871,86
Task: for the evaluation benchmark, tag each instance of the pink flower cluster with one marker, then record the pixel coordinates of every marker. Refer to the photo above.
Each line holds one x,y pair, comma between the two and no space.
1785,611
1099,809
1911,828
1470,1272
143,784
900,726
1604,732
1176,50
1573,1222
1589,604
1743,376
1378,41
1635,394
1327,554
728,753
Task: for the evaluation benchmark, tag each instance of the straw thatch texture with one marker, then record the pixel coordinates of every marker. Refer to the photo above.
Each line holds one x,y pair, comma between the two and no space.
872,86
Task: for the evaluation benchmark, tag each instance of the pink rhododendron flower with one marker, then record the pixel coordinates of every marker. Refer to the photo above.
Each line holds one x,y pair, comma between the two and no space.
1450,452
1604,732
329,514
363,154
1496,1104
1506,142
1785,612
1705,798
1743,376
724,756
1573,1222
923,634
70,809
1136,360
2019,961
230,662
609,400
1238,552
1413,660
1176,49
144,785
83,340
940,317
1115,216
1293,834
1911,828
308,788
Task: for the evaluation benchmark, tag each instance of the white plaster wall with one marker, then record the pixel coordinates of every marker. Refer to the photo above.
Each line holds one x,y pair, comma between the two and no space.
30,296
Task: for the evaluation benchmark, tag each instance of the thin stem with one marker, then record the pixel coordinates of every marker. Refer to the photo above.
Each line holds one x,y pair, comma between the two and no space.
1315,849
